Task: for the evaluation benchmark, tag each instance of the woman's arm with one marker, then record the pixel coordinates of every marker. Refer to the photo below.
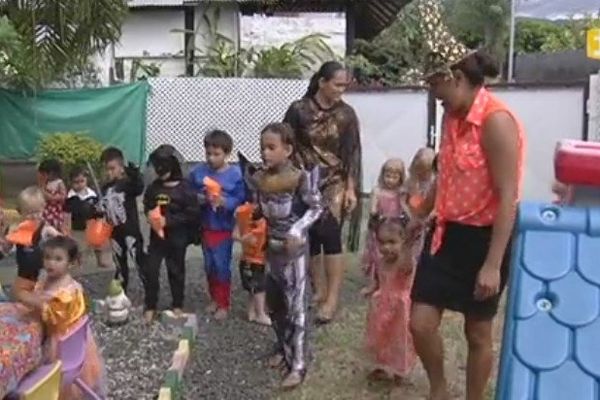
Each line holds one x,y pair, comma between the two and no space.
501,147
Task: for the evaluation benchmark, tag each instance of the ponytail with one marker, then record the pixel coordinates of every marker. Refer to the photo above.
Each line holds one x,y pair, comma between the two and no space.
327,72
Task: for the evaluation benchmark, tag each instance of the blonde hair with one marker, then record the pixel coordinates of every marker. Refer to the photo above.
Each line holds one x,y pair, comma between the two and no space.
393,164
31,201
424,156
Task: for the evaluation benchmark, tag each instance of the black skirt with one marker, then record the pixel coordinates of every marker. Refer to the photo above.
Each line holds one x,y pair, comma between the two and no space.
447,279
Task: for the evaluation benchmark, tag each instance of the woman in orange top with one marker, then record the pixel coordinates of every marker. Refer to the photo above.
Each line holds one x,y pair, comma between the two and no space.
480,174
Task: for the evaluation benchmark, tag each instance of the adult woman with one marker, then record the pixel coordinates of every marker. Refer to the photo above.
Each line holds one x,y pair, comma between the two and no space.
480,174
327,135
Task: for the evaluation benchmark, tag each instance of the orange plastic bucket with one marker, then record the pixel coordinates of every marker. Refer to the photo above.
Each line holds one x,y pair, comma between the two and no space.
98,232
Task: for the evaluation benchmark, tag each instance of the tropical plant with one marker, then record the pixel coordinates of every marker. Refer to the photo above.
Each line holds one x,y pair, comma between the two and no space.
291,60
141,70
53,36
71,149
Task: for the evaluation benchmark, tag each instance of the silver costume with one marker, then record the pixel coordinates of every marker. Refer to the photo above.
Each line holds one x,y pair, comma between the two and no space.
290,201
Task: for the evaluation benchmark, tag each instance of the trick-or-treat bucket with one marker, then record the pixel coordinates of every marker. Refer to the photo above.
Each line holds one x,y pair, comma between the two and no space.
97,232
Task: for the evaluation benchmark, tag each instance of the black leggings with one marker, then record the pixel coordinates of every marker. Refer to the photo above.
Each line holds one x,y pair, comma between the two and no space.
174,255
325,236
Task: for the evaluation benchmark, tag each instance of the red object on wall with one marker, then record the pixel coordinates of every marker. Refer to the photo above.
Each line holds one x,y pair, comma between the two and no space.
577,162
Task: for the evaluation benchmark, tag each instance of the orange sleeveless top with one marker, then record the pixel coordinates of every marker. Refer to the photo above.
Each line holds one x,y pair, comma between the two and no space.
254,254
465,190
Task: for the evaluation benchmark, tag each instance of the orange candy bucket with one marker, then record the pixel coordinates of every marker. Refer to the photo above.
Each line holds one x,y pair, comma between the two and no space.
98,232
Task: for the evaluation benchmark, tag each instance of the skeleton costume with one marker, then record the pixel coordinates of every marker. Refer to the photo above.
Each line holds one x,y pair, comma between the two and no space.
119,205
290,201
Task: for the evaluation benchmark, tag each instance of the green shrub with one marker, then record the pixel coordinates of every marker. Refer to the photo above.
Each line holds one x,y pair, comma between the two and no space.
71,149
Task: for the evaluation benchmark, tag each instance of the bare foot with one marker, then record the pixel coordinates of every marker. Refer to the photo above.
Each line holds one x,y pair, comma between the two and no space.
276,360
292,380
178,312
251,313
316,300
221,314
367,291
439,394
263,320
211,308
325,315
149,316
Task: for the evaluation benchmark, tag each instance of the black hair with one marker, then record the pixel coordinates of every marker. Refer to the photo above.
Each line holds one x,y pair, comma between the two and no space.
219,139
435,163
164,160
327,72
51,166
112,154
398,223
478,66
283,130
69,245
78,171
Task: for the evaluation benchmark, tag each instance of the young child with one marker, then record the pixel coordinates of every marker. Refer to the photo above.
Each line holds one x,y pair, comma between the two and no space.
28,239
386,202
119,205
251,232
290,201
55,193
420,185
81,205
388,340
218,217
179,211
61,306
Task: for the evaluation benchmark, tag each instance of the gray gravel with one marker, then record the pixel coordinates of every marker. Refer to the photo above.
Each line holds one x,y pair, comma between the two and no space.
228,361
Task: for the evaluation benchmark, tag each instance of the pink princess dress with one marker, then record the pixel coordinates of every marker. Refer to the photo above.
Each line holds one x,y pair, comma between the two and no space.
389,343
387,204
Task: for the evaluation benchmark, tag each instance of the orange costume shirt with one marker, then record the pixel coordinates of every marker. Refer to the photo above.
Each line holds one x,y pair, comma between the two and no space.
253,254
465,190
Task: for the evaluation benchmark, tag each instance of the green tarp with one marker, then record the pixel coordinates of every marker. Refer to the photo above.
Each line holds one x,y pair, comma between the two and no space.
114,116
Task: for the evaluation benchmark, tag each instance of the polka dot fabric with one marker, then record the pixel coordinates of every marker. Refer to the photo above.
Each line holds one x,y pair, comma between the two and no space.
465,189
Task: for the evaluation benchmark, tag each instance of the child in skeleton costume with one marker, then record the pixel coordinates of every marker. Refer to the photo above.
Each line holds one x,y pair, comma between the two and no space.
290,202
119,205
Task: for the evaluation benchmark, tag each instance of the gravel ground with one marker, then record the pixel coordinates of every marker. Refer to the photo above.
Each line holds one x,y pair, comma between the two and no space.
227,363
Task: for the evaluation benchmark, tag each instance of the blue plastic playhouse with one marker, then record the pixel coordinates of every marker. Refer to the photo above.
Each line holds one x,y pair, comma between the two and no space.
551,345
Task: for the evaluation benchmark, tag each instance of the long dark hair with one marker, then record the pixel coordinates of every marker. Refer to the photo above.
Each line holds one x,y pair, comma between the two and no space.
327,72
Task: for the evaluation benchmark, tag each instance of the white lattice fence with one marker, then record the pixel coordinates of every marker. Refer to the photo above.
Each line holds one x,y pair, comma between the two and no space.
182,110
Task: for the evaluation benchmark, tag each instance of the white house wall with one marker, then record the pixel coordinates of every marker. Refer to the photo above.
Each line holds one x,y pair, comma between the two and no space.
149,31
228,23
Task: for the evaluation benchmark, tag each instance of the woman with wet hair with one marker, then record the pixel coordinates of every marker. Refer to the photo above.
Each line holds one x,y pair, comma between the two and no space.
327,135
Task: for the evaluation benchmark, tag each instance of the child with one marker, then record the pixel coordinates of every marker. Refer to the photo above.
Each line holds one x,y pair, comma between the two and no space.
81,204
179,211
119,204
28,239
385,201
420,185
388,339
218,217
251,231
55,193
290,201
61,307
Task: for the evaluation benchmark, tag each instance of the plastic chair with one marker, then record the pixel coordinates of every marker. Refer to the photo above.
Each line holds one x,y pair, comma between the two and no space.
41,384
71,350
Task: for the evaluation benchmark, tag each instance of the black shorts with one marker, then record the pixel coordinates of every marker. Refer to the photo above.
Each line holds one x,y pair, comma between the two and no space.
447,279
253,277
325,236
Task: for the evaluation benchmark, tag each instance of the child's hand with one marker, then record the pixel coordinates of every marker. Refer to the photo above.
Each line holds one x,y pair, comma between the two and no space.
216,202
293,243
248,239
